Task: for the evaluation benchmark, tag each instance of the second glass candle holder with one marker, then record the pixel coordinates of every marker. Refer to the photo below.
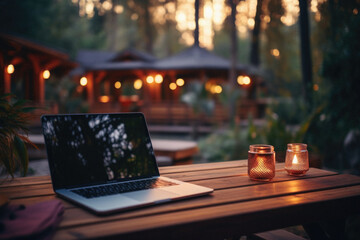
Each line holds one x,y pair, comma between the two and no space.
297,159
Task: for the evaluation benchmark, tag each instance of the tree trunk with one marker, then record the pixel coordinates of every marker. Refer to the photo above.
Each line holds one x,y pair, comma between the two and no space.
196,31
306,64
148,28
254,48
233,58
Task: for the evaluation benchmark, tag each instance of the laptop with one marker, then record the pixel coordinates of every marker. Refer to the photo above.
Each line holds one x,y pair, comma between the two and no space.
106,163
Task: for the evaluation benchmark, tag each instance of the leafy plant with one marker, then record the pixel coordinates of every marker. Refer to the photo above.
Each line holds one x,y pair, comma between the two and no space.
14,116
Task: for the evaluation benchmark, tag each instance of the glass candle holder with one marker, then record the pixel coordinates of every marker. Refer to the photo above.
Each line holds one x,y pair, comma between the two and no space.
261,162
297,159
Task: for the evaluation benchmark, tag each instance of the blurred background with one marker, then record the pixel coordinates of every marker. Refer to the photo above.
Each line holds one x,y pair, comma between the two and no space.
215,73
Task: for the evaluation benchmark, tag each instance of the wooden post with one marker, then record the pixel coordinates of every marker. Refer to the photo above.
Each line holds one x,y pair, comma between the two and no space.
90,89
7,81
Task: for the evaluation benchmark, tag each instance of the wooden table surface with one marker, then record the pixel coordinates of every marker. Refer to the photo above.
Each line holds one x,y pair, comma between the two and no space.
238,206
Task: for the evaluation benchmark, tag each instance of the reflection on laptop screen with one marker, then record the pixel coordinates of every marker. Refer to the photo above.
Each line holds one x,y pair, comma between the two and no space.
98,148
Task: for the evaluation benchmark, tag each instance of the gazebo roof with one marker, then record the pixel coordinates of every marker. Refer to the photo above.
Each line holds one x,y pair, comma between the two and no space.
192,59
196,58
128,59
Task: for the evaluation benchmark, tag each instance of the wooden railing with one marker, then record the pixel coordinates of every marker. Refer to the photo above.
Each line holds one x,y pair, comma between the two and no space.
168,113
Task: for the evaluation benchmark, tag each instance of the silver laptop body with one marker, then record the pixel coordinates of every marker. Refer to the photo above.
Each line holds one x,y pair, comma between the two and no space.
106,163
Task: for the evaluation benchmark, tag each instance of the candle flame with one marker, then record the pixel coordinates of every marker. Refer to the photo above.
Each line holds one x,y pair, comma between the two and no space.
295,160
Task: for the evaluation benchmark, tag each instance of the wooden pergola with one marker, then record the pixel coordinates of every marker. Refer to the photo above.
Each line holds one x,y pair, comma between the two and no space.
157,98
25,65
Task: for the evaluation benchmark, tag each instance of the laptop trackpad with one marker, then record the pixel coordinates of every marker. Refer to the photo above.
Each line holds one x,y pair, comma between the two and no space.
151,195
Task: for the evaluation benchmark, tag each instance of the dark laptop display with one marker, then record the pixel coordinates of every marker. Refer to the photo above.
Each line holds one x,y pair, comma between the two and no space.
106,163
97,148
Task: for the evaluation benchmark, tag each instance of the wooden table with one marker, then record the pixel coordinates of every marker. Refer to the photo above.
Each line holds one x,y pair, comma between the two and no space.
174,149
238,206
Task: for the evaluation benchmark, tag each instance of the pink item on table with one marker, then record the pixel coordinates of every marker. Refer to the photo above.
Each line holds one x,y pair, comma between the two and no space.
35,221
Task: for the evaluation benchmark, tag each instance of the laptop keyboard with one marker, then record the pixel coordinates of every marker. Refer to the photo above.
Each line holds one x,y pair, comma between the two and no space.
111,189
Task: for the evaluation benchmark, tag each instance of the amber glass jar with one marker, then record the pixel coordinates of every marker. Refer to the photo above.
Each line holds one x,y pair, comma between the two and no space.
261,162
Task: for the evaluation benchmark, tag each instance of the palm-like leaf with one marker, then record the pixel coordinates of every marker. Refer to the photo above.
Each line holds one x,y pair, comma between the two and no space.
14,117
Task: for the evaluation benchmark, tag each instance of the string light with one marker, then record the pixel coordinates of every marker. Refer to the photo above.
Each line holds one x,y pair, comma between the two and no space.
117,85
172,86
158,78
10,69
46,74
83,81
150,79
180,82
138,84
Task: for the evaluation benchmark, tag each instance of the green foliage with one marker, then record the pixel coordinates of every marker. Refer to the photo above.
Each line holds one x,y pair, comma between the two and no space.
339,112
14,117
197,97
67,95
233,143
291,111
223,146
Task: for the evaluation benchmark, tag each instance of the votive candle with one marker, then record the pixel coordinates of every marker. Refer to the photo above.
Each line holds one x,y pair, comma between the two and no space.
261,162
297,159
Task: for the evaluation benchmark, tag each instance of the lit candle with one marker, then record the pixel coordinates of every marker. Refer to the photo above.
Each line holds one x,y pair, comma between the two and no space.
261,162
261,170
297,161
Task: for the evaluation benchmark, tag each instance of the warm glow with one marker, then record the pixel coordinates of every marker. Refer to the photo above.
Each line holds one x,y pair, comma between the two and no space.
208,86
150,79
104,99
240,80
246,80
83,81
180,82
158,78
46,74
10,69
212,14
295,160
172,86
275,52
316,87
138,84
216,89
119,9
243,80
117,85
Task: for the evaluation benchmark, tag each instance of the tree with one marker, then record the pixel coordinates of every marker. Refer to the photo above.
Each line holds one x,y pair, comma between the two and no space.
306,63
233,58
255,42
339,115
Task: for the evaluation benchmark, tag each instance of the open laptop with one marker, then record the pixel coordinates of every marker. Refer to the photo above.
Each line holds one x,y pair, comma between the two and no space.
106,163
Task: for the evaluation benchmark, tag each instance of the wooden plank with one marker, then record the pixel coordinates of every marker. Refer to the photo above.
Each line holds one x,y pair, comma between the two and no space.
28,191
218,221
243,180
223,197
214,173
203,166
22,181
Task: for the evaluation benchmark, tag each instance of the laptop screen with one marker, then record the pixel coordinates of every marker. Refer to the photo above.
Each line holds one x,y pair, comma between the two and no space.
86,149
